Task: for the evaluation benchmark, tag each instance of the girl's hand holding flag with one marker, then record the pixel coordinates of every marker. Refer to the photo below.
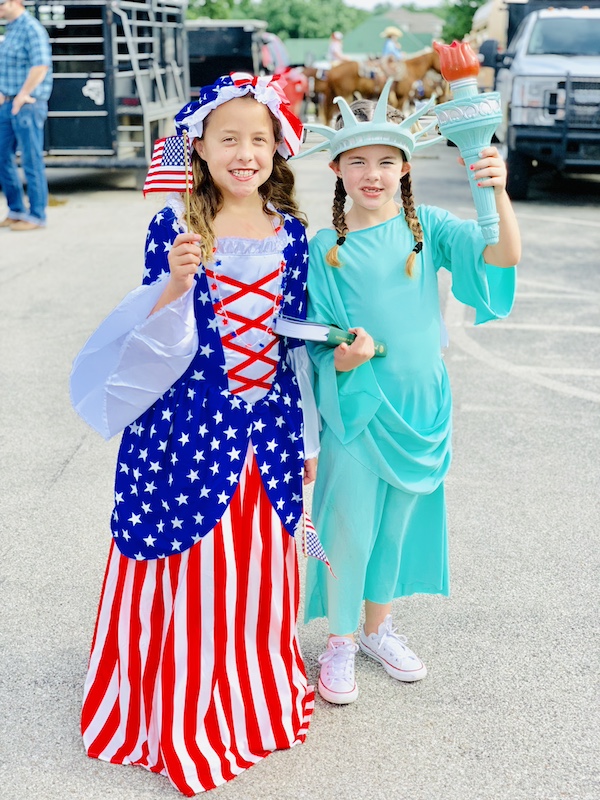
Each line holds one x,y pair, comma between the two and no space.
184,260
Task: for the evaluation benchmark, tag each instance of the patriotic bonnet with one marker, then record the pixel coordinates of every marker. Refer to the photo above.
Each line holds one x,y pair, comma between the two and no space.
378,131
265,89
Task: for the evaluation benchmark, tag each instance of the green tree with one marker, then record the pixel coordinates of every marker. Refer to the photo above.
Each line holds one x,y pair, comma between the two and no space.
308,19
293,19
245,9
458,17
215,9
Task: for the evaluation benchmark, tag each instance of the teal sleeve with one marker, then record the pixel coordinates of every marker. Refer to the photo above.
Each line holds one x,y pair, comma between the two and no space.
458,246
347,401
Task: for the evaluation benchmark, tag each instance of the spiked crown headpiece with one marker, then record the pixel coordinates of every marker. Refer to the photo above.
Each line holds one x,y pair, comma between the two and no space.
378,131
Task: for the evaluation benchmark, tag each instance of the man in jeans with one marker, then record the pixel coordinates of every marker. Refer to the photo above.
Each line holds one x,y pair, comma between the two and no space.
25,86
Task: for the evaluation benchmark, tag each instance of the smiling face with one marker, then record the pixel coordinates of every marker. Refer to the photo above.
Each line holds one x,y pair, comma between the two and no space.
238,145
371,176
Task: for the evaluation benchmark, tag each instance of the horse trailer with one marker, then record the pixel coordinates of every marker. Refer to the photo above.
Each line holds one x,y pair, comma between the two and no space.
219,46
120,75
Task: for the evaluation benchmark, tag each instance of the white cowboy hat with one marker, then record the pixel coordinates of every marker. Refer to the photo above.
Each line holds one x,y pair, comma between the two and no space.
391,31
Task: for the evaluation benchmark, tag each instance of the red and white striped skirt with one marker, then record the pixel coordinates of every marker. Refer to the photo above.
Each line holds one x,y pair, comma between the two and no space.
195,670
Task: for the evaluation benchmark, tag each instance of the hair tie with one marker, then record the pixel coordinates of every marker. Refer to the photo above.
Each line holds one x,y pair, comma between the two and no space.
341,241
417,248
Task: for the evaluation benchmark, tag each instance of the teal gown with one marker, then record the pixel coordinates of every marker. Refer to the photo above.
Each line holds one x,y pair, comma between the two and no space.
378,502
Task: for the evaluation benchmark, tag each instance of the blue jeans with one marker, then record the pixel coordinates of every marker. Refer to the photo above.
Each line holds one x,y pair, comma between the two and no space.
24,132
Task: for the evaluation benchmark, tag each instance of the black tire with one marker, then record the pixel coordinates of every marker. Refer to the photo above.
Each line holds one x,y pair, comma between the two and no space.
518,168
140,178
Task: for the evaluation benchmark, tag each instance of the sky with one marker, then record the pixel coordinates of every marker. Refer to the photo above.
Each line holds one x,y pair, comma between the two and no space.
369,5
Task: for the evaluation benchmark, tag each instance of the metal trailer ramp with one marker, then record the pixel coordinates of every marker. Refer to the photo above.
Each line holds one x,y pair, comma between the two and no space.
120,75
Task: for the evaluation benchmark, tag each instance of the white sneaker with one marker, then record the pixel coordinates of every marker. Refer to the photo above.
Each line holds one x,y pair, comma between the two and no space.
389,648
336,680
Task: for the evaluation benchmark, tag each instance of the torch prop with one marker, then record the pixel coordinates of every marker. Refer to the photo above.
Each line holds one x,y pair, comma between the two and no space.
469,121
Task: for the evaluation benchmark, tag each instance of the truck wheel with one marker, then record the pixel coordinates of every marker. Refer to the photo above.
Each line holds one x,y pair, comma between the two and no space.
140,178
518,168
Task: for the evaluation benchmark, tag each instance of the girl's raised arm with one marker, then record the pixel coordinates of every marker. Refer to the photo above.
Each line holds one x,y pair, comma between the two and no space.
490,170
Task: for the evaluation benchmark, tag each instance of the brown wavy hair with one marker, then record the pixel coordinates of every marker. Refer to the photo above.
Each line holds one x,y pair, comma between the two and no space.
206,199
363,111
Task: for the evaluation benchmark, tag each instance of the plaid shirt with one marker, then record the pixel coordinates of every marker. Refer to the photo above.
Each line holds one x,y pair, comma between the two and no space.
25,45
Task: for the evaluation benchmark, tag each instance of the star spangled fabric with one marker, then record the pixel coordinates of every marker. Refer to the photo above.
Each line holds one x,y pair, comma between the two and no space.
167,168
180,462
311,544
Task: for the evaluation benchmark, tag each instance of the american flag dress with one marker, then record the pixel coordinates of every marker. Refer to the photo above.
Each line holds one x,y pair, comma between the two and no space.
195,669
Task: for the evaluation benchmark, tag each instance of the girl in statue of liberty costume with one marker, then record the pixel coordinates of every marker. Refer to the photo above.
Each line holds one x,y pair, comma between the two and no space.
379,502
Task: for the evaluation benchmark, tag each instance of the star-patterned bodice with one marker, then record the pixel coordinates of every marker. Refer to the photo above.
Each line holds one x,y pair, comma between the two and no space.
180,462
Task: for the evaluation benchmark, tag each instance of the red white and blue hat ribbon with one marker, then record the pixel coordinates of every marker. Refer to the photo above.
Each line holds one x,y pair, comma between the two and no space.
264,88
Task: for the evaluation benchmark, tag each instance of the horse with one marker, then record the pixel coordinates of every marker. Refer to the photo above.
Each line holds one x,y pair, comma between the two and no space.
431,85
350,79
318,78
318,87
417,67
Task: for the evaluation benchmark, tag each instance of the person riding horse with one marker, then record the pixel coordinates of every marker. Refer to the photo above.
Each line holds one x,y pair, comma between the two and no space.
335,53
391,46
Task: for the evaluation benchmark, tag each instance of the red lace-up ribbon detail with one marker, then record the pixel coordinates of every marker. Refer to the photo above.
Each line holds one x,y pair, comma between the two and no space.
233,339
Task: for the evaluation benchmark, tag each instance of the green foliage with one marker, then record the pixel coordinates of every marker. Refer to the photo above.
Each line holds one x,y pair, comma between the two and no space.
415,8
458,16
215,9
382,8
308,19
293,19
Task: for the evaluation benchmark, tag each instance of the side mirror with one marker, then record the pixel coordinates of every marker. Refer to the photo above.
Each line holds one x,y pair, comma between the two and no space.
488,53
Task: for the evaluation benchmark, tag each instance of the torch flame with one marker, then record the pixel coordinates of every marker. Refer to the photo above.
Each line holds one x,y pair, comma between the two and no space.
457,60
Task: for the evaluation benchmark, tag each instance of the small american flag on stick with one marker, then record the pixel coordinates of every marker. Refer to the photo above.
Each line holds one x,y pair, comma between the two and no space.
311,544
169,169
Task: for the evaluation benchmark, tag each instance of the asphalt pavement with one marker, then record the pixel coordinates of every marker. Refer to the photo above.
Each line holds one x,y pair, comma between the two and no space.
509,710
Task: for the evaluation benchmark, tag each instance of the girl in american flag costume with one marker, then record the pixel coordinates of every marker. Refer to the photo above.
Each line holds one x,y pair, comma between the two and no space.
195,670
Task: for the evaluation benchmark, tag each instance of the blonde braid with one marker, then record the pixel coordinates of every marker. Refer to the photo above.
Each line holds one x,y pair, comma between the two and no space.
339,223
410,215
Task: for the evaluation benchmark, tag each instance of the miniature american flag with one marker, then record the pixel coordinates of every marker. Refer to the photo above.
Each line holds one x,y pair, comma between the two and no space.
311,544
168,166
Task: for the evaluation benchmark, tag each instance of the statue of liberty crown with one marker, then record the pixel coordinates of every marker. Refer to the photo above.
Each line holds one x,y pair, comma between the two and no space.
378,131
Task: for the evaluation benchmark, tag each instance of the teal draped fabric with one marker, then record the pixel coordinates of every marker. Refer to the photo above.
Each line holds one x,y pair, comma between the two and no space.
393,414
379,503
